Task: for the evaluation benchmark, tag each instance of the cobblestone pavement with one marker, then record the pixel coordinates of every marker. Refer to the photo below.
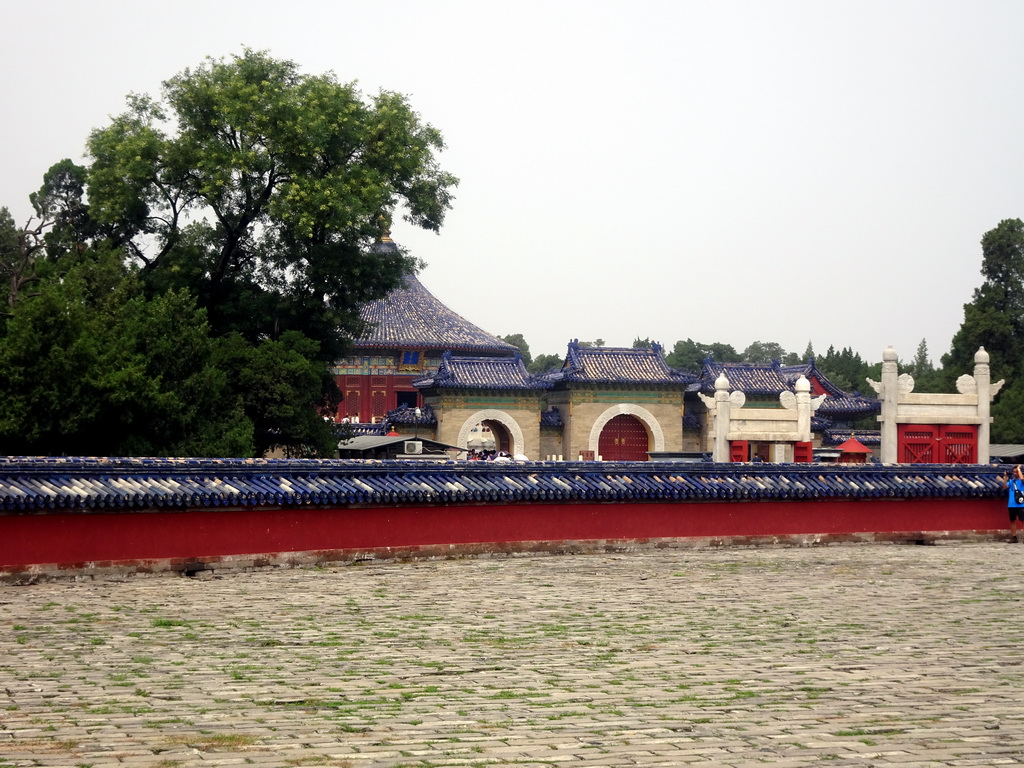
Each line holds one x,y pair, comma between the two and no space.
863,655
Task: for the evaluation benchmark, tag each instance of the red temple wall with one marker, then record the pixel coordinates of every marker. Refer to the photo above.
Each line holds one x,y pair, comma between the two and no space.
74,539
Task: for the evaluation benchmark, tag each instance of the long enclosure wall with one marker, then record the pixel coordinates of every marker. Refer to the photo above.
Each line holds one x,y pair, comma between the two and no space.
194,515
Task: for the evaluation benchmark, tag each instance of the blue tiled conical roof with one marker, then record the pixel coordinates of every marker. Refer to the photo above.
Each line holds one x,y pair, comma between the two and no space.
411,317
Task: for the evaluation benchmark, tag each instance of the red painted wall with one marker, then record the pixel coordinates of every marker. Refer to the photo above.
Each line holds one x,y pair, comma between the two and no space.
79,538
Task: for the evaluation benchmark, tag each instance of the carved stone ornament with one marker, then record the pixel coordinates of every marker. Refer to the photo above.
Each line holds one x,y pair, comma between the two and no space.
875,385
788,400
737,399
708,401
905,384
996,387
817,401
966,385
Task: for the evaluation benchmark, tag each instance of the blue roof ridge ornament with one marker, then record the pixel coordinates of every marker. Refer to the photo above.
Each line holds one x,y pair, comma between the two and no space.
384,242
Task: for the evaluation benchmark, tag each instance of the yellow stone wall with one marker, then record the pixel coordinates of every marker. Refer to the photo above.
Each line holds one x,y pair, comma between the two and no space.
582,409
520,415
660,412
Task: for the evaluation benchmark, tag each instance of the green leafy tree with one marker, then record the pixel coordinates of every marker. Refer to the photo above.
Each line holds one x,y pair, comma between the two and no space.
191,285
844,368
994,319
517,340
12,261
545,363
93,367
644,343
284,392
689,355
926,377
63,213
763,352
268,187
22,258
1008,413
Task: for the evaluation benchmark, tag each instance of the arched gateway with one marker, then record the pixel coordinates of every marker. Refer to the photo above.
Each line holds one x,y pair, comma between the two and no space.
502,425
626,432
624,438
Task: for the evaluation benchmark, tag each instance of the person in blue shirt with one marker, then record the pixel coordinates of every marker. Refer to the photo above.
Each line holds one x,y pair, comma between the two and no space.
1014,483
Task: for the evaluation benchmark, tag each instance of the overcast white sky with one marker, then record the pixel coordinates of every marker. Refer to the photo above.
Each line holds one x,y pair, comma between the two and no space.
725,171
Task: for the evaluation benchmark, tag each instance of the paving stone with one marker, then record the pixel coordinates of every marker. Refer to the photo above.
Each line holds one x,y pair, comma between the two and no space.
861,655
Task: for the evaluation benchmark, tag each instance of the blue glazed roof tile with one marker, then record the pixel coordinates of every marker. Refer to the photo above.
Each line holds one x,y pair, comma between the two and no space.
403,414
750,378
617,365
551,417
458,372
411,317
849,405
839,436
84,484
839,402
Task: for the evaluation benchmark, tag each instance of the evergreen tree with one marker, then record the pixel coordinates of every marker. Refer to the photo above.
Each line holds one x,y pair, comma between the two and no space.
186,292
517,340
994,319
689,355
545,363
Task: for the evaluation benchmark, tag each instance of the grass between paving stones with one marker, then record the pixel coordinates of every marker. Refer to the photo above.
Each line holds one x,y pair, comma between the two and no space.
383,662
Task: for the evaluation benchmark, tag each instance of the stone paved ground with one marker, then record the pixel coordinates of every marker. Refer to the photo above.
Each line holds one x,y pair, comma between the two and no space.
865,655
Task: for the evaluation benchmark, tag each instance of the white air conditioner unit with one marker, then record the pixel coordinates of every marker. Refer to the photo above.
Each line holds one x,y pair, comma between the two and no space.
413,447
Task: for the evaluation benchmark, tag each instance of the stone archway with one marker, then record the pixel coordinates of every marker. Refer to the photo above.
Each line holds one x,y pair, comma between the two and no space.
502,418
648,419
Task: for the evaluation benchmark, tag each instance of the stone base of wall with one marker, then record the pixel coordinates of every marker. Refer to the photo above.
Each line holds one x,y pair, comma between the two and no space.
210,567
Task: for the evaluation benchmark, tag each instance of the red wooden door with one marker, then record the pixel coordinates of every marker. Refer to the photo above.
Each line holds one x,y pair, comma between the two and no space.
624,438
918,444
938,444
803,452
739,451
959,443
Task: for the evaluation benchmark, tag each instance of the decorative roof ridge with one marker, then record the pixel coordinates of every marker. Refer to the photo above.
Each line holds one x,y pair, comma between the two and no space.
73,484
448,373
575,367
772,381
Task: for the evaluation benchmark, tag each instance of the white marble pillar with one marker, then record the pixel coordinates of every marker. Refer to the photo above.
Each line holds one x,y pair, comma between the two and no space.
723,417
983,381
889,395
803,409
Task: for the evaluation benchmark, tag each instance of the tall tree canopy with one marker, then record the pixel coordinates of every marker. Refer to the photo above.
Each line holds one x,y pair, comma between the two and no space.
262,188
689,355
517,340
186,291
994,319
